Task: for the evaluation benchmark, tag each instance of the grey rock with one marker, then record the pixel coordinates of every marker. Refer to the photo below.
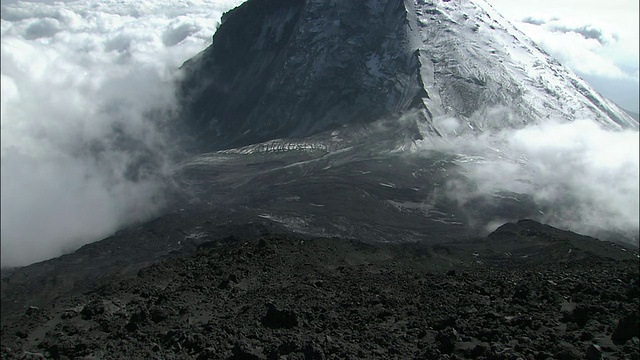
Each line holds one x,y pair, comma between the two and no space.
627,328
244,350
594,352
447,339
32,356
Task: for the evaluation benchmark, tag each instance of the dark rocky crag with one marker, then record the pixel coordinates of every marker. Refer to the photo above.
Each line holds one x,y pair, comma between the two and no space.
280,69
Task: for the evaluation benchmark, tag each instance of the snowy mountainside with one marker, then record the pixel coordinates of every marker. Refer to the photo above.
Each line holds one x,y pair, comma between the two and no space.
489,75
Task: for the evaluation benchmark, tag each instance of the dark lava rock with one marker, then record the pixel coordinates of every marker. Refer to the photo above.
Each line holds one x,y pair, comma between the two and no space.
95,308
375,301
33,311
634,290
32,356
159,314
566,351
138,316
582,313
447,339
228,282
522,292
182,340
313,351
279,318
594,352
627,328
243,350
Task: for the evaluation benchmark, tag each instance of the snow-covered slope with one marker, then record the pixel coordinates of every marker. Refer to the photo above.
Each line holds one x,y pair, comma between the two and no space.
292,68
484,72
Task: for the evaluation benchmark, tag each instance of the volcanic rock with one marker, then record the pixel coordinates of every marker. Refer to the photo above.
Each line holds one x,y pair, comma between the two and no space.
276,318
594,352
627,328
158,313
293,68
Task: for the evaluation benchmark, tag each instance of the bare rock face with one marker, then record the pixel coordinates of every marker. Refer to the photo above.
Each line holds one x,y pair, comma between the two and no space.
292,68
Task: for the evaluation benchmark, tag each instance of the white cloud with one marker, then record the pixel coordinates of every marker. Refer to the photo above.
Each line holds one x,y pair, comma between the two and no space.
580,176
87,88
585,49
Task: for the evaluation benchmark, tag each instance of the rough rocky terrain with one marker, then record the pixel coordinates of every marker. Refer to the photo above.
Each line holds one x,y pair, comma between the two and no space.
526,291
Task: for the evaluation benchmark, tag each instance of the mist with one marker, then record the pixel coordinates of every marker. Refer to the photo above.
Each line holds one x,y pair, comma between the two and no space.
88,93
580,176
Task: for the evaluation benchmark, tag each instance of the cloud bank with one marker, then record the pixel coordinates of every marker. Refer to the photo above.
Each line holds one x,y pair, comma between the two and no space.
87,94
580,176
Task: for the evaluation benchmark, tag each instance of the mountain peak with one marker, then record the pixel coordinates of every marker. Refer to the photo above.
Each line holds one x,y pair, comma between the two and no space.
293,68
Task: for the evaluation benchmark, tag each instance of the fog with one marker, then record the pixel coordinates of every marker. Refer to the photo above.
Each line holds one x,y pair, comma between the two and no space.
580,176
87,95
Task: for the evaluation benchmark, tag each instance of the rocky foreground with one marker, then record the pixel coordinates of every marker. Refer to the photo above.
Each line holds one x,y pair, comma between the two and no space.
527,291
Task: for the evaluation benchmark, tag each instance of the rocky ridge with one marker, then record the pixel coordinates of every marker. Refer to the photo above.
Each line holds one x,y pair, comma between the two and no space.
528,291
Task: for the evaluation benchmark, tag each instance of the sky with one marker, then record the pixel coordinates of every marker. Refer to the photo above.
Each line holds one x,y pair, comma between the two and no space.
87,95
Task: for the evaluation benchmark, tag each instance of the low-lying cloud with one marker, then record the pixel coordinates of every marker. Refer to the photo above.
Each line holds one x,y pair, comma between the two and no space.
580,176
87,93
